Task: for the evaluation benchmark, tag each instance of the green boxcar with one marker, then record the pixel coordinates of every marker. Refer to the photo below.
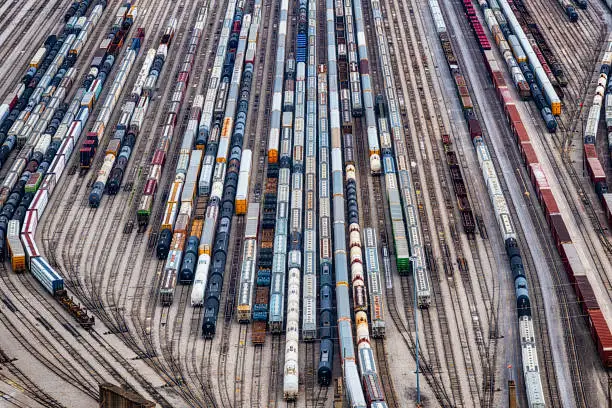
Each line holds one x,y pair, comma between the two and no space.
33,183
144,210
402,249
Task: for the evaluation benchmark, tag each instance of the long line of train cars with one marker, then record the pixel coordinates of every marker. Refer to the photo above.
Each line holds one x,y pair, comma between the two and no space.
52,166
229,153
531,372
182,189
300,241
129,125
540,46
214,141
158,160
264,257
354,79
42,69
343,163
503,25
409,251
205,248
592,162
326,249
40,149
310,256
463,202
177,243
29,106
600,328
249,264
44,140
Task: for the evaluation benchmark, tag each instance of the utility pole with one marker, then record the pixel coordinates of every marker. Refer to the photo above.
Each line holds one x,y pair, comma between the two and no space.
416,330
511,394
609,391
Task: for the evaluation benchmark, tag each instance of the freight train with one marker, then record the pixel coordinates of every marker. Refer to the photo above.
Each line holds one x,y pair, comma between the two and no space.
326,281
521,68
353,60
550,98
344,186
223,194
301,245
248,269
35,106
279,152
366,88
463,202
58,141
277,90
409,252
184,171
145,205
502,215
280,258
348,355
122,143
540,44
374,274
51,120
592,163
222,60
310,256
576,270
216,142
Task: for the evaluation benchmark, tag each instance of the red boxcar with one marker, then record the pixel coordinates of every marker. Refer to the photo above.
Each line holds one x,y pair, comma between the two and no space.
150,187
596,172
159,157
600,332
590,151
474,127
559,230
549,203
529,154
520,132
585,294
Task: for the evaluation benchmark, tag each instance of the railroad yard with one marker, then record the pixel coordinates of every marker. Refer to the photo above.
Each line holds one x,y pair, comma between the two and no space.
251,203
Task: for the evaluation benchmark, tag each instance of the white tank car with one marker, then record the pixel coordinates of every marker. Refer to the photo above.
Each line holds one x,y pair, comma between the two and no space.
291,374
199,281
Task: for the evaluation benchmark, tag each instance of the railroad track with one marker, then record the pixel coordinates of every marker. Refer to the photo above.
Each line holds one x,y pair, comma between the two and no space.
189,363
315,396
385,373
149,350
426,368
239,370
202,371
487,349
232,274
256,376
42,350
98,355
44,17
410,49
26,386
540,323
405,330
572,37
275,373
173,364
